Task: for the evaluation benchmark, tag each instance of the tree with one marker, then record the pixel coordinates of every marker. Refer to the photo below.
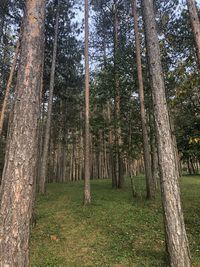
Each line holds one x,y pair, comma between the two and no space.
119,183
150,183
114,53
87,194
7,91
65,153
176,238
20,160
49,112
194,18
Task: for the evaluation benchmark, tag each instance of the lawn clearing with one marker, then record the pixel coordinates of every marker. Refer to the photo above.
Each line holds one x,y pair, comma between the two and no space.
116,230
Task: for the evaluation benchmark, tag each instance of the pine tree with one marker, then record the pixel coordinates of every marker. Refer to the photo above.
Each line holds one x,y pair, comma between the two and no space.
176,238
43,173
194,18
20,160
87,193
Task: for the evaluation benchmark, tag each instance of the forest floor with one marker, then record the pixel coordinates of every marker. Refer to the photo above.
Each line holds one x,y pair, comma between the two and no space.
116,230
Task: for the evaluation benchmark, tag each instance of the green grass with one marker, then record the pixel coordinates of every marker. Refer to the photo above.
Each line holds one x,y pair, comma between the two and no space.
116,230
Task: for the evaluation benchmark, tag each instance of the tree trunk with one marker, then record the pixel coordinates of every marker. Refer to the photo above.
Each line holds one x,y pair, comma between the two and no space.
176,239
195,25
20,160
112,174
154,158
150,183
7,91
50,103
87,194
118,135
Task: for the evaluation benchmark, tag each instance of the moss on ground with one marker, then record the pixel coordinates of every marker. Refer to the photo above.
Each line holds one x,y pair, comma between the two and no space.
116,230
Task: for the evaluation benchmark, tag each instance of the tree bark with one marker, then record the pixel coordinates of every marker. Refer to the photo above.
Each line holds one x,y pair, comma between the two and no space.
20,161
150,184
7,91
176,239
87,193
195,25
50,103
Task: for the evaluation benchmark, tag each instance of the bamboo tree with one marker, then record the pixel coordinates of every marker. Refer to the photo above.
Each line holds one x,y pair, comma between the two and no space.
175,233
50,102
150,184
87,193
21,156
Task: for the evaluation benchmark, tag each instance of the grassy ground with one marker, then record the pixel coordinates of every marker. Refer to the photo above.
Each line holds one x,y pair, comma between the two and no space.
116,230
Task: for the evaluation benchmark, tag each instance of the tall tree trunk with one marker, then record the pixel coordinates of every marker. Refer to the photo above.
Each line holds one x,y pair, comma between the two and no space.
118,136
20,160
87,193
195,25
176,239
50,103
150,183
8,86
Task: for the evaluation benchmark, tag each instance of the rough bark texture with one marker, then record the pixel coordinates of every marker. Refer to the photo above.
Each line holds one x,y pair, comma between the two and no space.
87,195
176,239
20,160
150,184
7,92
50,102
195,25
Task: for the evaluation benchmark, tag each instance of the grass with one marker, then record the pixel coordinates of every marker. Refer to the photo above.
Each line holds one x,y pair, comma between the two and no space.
116,230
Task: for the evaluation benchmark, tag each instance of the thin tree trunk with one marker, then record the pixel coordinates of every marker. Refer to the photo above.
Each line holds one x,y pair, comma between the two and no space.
87,193
20,161
81,148
150,183
50,103
195,25
112,174
118,136
176,239
8,86
154,158
40,130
